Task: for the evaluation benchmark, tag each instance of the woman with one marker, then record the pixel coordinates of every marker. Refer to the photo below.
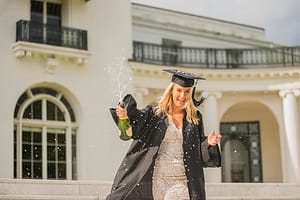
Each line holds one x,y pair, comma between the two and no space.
169,149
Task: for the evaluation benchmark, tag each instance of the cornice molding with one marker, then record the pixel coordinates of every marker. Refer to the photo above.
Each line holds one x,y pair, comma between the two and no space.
263,73
28,49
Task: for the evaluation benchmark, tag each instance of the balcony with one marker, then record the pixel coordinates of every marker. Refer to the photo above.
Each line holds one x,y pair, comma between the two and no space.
52,35
52,41
215,58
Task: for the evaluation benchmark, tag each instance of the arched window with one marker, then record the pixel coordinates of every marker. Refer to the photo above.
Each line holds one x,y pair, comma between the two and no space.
44,135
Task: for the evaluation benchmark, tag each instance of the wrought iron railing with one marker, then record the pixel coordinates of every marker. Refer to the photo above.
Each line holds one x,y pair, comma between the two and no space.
53,35
215,58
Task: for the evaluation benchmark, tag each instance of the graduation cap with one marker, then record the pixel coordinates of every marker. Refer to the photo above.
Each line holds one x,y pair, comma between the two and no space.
186,79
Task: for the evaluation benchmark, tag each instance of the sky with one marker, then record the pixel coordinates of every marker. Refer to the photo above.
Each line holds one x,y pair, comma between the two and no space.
279,18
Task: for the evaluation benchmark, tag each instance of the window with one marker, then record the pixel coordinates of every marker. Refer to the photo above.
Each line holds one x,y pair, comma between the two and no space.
44,136
49,13
170,51
234,58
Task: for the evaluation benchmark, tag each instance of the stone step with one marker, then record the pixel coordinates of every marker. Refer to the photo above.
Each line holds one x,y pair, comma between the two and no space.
20,189
255,198
43,197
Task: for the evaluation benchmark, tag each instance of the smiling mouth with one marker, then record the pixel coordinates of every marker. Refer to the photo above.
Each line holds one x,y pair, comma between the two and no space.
181,101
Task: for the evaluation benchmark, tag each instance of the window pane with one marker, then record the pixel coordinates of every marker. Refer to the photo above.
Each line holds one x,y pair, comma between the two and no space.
26,170
50,111
51,171
37,170
51,138
37,110
15,152
37,152
43,90
33,111
62,171
28,113
59,115
15,169
36,11
69,108
26,137
26,152
15,144
51,153
54,113
21,100
54,24
37,137
61,153
54,14
74,162
61,139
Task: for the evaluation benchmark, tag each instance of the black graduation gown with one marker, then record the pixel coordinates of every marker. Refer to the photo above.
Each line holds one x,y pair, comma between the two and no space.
133,180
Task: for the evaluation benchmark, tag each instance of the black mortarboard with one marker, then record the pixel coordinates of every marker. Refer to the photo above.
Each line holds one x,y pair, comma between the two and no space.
186,79
182,78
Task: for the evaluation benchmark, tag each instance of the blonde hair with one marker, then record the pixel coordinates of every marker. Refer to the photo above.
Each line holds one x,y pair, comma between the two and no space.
165,102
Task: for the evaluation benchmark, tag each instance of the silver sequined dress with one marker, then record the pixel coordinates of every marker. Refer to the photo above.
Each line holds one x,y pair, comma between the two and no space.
169,179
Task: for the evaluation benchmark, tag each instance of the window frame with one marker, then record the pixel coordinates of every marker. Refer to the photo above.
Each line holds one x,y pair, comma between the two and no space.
69,126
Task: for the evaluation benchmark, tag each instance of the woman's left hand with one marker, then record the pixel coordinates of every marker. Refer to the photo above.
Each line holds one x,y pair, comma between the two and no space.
213,138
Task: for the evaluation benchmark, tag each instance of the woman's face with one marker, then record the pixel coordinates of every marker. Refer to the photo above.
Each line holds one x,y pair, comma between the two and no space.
180,95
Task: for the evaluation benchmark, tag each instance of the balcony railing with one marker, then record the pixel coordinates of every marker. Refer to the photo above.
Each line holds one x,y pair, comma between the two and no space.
52,35
215,58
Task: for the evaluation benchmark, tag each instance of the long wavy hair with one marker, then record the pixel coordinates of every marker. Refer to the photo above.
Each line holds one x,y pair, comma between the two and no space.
165,103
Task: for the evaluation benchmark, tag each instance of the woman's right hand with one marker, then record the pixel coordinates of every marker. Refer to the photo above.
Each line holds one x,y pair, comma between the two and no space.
121,111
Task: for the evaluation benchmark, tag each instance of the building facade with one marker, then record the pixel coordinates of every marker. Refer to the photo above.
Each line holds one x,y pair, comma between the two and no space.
55,117
64,63
251,88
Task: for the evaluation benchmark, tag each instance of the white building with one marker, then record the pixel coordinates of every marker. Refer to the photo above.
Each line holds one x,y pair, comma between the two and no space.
56,86
251,89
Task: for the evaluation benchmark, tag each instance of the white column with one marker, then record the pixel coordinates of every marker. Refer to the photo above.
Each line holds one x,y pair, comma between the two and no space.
292,136
211,123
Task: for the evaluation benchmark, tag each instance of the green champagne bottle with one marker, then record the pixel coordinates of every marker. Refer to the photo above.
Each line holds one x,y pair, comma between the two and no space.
124,126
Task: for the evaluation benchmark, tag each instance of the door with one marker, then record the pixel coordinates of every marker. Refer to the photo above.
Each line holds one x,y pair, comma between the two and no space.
241,152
